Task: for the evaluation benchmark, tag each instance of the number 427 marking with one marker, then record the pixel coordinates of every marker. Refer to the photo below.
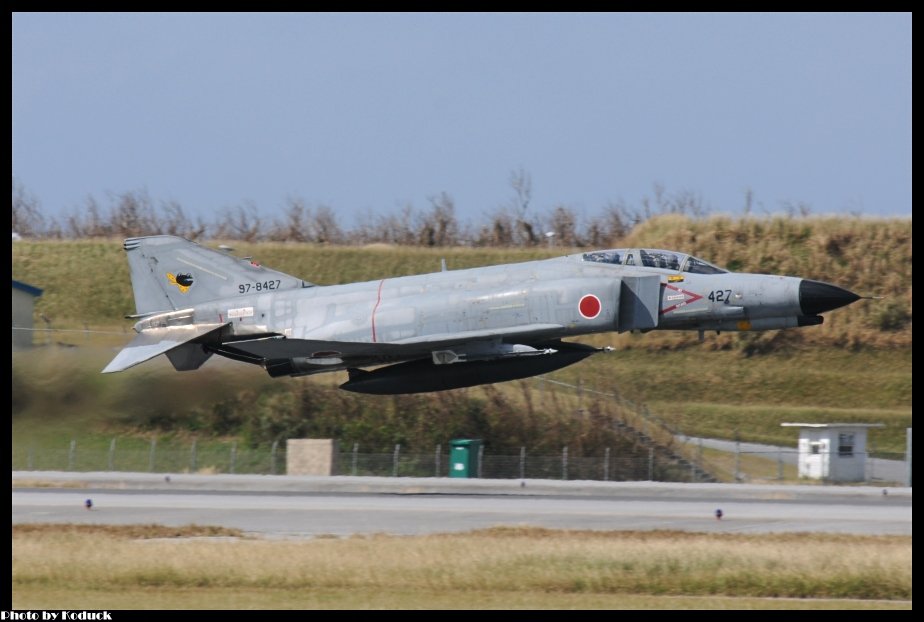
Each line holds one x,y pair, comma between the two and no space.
720,295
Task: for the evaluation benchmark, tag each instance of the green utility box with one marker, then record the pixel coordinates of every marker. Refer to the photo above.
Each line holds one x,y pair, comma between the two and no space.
463,457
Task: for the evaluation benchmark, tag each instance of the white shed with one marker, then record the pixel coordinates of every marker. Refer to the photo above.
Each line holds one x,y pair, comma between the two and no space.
24,296
833,451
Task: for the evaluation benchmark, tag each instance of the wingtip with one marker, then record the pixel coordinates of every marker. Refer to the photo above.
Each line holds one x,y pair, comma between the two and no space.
114,366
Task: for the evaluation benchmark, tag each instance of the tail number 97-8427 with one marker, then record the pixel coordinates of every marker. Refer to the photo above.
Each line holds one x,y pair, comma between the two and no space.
720,295
265,286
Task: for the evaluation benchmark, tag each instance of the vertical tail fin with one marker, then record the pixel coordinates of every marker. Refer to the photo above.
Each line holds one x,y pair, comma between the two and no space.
170,273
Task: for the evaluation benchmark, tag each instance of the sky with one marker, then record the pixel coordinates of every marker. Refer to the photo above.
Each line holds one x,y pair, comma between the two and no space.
372,112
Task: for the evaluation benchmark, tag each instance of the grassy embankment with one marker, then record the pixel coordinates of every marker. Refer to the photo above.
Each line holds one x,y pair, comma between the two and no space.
76,567
857,367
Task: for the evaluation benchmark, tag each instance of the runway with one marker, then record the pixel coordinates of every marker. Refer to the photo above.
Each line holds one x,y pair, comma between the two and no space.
310,507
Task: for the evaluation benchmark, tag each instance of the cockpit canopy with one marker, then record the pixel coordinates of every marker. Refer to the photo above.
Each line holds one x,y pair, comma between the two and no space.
654,258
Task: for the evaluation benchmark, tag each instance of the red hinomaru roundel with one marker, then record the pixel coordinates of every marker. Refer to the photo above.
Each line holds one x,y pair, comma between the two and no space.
589,306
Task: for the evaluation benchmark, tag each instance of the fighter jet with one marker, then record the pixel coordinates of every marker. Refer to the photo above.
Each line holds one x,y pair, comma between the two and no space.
444,330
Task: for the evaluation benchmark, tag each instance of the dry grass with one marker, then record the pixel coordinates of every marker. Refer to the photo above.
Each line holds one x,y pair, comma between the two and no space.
59,395
868,256
32,597
763,468
46,483
519,562
127,532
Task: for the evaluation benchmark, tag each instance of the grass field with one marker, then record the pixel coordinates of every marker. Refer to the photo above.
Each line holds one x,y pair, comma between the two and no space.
856,367
59,394
79,567
720,394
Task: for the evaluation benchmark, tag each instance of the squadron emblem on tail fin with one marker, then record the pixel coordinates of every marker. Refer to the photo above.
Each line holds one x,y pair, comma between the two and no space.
182,281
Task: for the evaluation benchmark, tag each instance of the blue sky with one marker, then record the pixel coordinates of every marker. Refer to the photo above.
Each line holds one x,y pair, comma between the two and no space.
373,112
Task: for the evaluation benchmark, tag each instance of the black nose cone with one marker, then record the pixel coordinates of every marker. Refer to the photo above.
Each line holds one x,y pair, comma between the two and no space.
816,297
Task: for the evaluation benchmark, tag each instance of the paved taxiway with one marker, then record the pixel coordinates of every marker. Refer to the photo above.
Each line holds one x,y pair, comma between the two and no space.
283,506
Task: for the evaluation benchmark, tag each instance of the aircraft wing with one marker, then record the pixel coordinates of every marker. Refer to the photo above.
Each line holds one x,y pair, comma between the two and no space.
285,356
182,344
274,347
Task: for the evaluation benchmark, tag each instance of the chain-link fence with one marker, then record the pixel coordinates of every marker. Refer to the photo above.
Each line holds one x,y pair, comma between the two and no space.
153,457
686,463
212,457
777,465
640,465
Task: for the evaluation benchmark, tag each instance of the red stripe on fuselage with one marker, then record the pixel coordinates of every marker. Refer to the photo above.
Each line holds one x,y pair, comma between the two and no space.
378,301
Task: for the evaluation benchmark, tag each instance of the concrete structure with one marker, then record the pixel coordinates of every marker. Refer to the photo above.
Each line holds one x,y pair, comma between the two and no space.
311,456
833,451
24,296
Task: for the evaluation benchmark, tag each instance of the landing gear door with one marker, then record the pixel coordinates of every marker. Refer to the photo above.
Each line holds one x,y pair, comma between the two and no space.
639,301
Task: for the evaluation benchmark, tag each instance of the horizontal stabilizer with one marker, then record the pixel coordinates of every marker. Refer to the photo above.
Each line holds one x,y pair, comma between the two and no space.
156,341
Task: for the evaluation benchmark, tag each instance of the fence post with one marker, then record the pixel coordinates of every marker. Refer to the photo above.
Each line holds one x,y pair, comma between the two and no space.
153,452
436,461
273,450
779,464
564,462
480,459
71,455
606,465
523,462
908,453
394,471
872,461
737,460
233,456
31,458
193,458
112,444
651,464
355,452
